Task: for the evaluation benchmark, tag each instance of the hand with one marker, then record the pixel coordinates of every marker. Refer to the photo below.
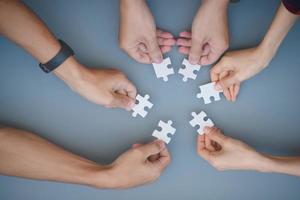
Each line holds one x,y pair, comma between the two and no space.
226,153
108,87
140,165
209,37
237,66
138,36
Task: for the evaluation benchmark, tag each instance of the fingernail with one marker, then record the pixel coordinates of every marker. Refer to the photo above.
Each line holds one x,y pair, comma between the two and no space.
218,87
193,61
160,143
206,129
158,60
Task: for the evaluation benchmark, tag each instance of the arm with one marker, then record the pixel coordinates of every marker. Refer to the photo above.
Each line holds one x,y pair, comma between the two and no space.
209,36
24,154
226,153
22,26
238,66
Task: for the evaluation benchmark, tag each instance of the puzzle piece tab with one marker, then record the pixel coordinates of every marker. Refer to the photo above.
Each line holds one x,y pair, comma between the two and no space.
198,119
208,91
162,70
166,128
188,70
139,107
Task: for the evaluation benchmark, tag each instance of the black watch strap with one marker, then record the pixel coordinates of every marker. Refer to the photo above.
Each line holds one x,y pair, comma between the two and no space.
64,53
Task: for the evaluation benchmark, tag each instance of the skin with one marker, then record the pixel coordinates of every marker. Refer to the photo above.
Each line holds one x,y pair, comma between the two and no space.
24,154
238,66
209,38
107,87
226,153
138,35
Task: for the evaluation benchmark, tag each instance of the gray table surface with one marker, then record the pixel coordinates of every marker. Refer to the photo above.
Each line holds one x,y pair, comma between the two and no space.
265,116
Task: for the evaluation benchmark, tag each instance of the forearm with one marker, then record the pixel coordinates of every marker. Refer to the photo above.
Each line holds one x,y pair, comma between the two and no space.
22,26
285,165
279,28
24,154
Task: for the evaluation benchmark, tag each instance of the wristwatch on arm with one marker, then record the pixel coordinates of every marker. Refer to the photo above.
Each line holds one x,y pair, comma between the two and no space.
64,53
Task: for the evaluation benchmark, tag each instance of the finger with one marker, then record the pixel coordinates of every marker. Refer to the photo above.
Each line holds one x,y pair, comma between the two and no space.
227,81
184,50
165,49
185,34
202,151
206,50
208,144
196,51
215,134
122,101
140,56
210,58
136,145
153,148
226,91
130,89
154,51
236,91
164,159
163,34
184,42
166,41
231,91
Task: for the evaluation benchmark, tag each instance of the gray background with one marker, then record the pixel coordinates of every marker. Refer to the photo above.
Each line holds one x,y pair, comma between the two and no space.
265,116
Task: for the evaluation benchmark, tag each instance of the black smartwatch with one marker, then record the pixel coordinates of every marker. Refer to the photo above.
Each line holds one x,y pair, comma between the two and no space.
64,53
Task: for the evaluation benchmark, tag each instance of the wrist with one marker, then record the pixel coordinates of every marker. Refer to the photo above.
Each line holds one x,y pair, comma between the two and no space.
71,71
265,163
265,54
217,3
100,177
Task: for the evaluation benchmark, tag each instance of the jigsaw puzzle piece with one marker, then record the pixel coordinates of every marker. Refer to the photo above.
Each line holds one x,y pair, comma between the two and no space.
199,120
166,128
139,108
208,91
162,70
188,70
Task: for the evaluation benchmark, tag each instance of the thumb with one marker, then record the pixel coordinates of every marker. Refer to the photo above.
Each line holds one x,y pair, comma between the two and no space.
227,82
122,101
153,148
195,52
154,51
215,134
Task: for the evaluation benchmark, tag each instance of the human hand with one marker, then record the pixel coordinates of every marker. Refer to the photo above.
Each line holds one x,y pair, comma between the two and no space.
141,164
209,37
225,153
107,87
237,66
138,35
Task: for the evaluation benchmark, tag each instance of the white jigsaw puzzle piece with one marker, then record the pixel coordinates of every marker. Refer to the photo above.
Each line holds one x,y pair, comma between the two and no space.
208,91
139,107
188,70
162,70
166,128
198,119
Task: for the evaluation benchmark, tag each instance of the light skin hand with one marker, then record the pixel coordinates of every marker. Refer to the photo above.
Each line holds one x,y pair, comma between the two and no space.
209,36
138,35
225,153
24,154
107,87
140,165
238,66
